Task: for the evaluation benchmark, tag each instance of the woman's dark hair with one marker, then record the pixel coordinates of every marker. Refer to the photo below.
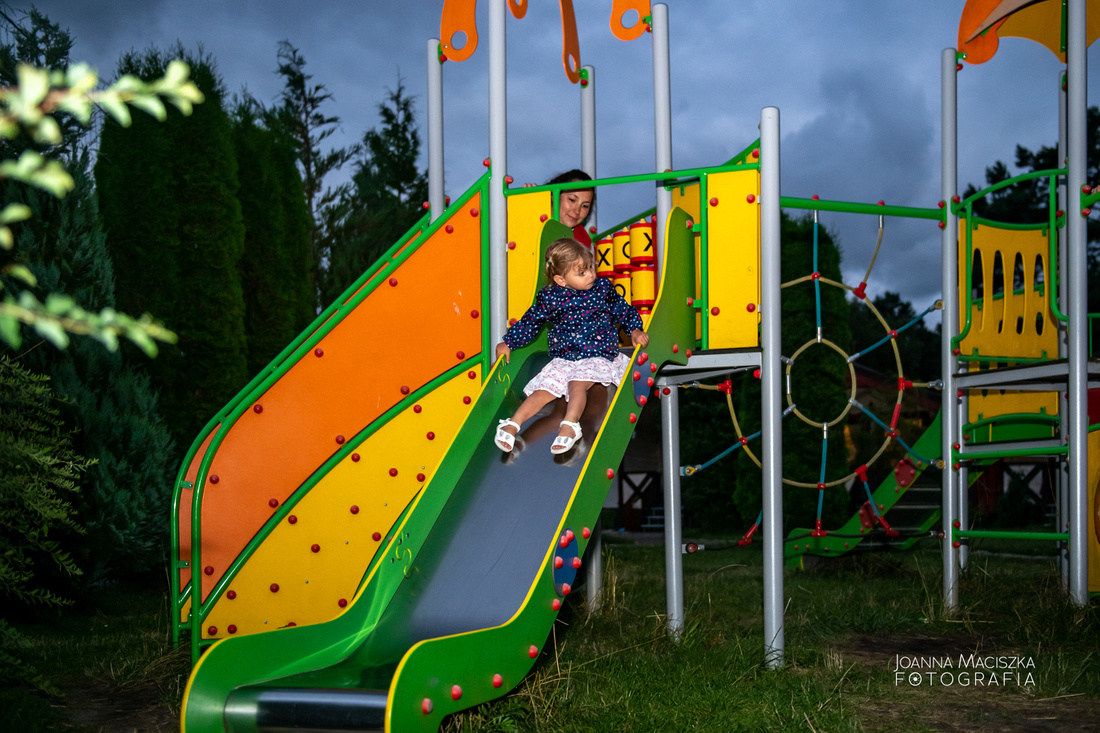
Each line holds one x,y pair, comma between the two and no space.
575,175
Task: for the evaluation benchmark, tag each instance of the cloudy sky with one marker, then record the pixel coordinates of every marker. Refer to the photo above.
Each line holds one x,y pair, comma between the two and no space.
857,83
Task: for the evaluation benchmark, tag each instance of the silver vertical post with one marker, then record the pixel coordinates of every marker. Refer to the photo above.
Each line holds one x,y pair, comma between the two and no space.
662,118
436,198
771,387
674,560
1076,274
588,165
949,412
498,154
1061,477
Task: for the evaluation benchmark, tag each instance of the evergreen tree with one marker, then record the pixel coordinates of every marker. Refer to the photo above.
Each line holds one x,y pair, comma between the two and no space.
818,386
168,200
386,196
124,494
39,472
275,269
300,113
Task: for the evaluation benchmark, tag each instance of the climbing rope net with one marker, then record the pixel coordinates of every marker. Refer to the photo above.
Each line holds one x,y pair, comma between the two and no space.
890,429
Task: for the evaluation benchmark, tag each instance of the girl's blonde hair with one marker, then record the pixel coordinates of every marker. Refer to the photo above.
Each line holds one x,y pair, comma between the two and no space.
561,256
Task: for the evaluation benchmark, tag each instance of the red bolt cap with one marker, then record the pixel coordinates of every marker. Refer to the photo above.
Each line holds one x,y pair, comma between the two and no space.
565,588
715,311
611,471
456,692
751,198
209,570
511,245
637,375
942,204
232,628
633,418
688,353
956,544
509,180
466,400
667,390
714,201
274,587
393,282
355,457
649,381
417,409
257,409
231,594
1085,188
955,199
315,547
426,706
292,519
756,152
556,604
426,205
815,197
339,440
449,229
882,203
342,603
431,435
376,536
751,307
584,82
576,563
318,352
473,212
642,400
273,503
533,651
404,389
569,535
497,680
1086,211
420,477
214,478
393,471
354,509
675,348
942,225
544,217
212,631
558,563
474,314
471,374
487,162
586,533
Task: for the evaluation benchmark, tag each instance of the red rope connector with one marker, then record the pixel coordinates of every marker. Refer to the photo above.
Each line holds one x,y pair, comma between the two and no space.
747,539
862,473
861,291
817,531
726,387
890,531
904,384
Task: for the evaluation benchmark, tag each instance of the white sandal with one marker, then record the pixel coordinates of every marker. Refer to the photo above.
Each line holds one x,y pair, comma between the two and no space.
505,440
563,443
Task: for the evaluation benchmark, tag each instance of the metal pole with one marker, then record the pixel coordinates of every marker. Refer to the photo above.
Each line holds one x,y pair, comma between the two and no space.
1061,476
674,561
436,198
662,118
588,165
771,385
1076,274
963,499
950,327
498,155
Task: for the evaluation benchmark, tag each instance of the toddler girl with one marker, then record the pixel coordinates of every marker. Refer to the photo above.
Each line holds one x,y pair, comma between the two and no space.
583,312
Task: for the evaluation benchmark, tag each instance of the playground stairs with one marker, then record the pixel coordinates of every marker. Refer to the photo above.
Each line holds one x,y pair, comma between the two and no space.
655,522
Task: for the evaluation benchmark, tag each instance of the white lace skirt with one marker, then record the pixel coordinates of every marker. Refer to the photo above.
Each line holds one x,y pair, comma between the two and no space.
556,376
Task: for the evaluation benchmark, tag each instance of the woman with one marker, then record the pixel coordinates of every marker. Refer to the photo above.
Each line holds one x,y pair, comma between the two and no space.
575,205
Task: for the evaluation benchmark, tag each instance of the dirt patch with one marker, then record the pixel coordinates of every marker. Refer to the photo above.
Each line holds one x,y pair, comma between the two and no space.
102,708
941,702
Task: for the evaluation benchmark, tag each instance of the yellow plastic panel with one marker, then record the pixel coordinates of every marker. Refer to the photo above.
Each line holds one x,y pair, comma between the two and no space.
1013,324
1093,538
733,245
312,583
526,214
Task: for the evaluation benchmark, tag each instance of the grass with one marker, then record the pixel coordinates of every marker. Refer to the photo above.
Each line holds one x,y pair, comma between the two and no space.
112,660
847,622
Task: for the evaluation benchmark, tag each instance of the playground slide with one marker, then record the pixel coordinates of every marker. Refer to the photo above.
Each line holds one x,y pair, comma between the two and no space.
458,606
296,483
875,520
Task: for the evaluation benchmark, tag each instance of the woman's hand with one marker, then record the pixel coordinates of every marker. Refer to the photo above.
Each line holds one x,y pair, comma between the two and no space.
506,352
638,337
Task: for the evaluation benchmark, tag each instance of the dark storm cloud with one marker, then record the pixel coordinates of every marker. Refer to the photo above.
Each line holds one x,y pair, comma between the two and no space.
857,84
